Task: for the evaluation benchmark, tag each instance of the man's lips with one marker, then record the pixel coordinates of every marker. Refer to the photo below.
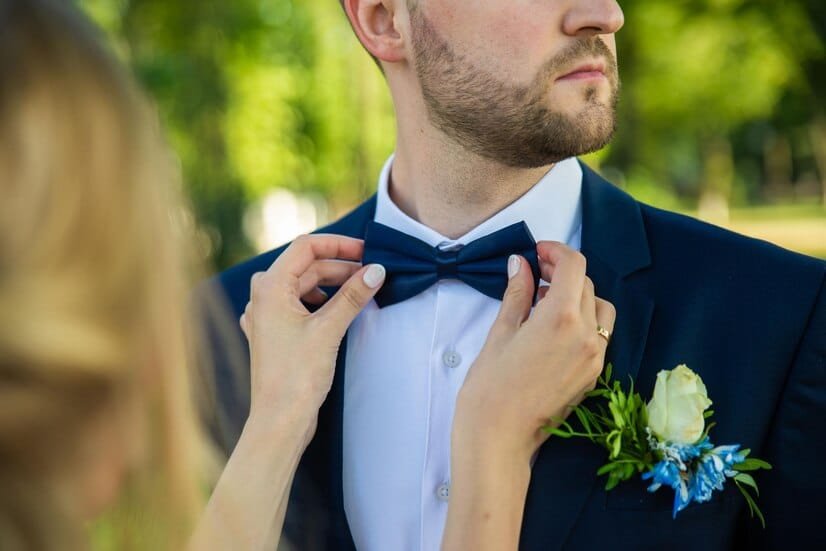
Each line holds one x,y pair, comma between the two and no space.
585,71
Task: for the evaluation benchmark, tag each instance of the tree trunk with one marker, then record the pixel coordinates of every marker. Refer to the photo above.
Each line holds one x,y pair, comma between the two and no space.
817,131
718,178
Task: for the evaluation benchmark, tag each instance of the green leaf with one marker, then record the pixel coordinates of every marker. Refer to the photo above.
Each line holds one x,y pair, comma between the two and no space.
751,464
608,371
753,508
612,481
628,470
583,418
761,463
621,400
567,426
608,467
617,446
748,480
708,413
618,420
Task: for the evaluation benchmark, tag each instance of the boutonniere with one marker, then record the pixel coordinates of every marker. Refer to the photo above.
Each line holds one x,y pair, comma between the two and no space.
666,439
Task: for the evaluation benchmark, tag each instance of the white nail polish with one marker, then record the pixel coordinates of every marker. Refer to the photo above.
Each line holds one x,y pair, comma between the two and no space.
374,276
513,265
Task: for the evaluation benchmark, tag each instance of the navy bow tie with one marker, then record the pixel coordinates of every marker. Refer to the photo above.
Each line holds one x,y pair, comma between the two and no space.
413,266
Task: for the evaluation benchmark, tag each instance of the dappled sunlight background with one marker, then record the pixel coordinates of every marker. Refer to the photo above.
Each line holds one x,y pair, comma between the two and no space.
281,121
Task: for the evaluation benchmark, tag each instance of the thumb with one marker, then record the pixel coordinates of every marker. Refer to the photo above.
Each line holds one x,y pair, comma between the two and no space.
518,297
353,296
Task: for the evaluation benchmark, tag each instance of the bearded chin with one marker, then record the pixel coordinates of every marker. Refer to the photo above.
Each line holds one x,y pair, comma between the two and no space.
552,136
506,123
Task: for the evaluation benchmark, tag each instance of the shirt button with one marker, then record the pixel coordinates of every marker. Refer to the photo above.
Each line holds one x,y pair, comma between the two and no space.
443,492
451,358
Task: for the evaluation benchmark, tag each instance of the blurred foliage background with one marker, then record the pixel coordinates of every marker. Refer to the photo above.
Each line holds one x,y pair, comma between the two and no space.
281,121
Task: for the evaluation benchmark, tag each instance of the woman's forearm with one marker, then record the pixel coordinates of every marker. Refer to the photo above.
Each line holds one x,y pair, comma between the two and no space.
246,510
487,498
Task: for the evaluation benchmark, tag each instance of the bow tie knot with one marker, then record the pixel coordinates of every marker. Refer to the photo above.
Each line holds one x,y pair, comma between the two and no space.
412,265
447,263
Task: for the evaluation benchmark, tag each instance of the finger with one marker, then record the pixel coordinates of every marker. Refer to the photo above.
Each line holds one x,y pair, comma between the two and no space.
546,269
315,296
260,289
244,320
565,267
326,272
551,252
306,249
255,280
518,297
588,304
606,316
561,264
351,298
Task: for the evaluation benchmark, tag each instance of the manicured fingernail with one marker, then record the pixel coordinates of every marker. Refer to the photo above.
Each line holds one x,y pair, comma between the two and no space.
374,275
513,265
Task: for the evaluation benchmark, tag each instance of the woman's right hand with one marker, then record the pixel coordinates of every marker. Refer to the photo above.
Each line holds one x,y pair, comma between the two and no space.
536,365
293,351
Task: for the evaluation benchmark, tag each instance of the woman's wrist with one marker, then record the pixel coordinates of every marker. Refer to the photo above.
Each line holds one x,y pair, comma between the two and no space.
489,485
476,431
489,464
286,429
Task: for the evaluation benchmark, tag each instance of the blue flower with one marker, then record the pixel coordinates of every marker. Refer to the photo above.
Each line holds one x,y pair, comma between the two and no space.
707,478
712,470
693,471
687,452
730,457
667,472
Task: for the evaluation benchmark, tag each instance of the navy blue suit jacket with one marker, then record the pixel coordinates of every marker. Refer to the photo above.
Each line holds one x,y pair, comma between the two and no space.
748,316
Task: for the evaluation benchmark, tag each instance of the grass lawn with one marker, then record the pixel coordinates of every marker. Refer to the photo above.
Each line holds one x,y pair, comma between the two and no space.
800,228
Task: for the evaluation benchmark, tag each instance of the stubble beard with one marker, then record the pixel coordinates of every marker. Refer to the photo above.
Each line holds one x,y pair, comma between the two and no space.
511,124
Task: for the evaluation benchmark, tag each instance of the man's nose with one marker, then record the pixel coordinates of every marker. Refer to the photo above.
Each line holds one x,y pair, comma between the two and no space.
592,17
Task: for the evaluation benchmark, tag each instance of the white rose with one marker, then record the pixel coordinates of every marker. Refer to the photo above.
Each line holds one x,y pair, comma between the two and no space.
675,413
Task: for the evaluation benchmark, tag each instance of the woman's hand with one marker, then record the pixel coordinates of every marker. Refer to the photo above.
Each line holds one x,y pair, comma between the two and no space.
535,366
292,359
293,351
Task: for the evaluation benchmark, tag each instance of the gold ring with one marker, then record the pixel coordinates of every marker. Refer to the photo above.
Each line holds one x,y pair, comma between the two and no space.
604,332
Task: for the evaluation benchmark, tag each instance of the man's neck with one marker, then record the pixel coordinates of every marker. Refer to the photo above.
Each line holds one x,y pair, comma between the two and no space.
450,190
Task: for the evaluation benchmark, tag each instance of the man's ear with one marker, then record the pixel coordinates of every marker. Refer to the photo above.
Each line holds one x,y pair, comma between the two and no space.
376,23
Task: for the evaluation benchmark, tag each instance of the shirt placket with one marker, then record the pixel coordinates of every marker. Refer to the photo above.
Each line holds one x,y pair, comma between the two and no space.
447,370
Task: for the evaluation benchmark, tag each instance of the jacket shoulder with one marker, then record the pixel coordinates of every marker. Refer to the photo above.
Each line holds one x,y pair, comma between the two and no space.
699,244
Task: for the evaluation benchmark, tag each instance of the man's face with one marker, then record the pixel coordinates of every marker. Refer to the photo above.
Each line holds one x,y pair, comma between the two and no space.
523,82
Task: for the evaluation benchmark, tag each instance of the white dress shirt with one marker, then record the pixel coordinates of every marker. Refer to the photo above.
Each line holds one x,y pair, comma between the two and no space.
405,364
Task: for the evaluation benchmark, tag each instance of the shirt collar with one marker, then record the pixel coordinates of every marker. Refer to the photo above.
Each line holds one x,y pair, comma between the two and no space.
552,209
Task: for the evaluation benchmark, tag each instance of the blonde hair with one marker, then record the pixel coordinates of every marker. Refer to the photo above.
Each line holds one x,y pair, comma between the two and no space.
95,269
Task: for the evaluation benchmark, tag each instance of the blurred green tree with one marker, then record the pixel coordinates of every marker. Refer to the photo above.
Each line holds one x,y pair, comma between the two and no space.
694,73
256,95
722,101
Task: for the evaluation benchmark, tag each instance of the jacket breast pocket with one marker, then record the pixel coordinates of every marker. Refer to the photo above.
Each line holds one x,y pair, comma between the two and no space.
633,495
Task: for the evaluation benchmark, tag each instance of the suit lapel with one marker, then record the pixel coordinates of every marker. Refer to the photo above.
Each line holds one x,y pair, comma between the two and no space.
353,224
616,248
